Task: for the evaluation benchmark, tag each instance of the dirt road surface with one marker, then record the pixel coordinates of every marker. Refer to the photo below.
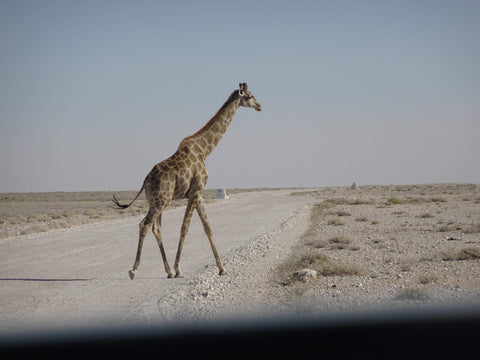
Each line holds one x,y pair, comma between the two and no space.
411,248
78,277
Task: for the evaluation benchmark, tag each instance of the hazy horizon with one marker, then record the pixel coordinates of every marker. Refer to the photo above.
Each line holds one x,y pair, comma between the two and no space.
94,93
212,189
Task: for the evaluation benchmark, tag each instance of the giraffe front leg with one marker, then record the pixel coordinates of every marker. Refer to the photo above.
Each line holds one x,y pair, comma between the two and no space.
208,231
183,234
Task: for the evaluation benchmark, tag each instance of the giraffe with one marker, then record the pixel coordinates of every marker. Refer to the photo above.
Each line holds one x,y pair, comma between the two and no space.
183,175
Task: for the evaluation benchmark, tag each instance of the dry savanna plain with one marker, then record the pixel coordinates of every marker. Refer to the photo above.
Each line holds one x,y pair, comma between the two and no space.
418,243
30,213
340,249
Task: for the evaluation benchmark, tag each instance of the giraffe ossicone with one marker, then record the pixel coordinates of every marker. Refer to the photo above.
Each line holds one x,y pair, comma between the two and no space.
183,175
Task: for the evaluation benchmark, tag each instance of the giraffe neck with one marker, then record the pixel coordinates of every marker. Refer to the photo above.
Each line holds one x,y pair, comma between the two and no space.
208,137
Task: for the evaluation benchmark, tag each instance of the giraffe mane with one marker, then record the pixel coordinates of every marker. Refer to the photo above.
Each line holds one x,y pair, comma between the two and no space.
231,98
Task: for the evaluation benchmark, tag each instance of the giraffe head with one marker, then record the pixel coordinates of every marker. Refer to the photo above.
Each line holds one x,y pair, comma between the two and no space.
247,99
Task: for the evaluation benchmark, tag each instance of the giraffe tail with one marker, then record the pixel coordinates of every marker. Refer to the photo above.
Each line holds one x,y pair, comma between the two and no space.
124,206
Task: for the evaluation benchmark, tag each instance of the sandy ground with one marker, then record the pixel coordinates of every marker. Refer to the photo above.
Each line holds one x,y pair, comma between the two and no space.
78,277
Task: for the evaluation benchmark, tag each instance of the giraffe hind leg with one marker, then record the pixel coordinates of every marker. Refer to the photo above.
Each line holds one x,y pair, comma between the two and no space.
144,226
156,229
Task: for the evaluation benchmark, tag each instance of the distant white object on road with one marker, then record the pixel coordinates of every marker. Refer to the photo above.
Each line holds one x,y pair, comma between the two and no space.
220,194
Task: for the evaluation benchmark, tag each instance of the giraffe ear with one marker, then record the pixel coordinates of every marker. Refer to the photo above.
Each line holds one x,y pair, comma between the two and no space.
242,89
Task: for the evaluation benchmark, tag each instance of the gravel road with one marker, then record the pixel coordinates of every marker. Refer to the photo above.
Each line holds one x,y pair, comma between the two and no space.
408,242
78,277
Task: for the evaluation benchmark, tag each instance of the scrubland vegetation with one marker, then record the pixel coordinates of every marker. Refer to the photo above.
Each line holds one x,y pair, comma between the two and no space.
413,239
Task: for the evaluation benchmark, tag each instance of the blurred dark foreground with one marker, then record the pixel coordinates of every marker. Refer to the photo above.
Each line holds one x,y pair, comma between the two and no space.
449,332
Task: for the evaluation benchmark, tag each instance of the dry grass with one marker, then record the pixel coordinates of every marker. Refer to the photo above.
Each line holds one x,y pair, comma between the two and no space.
319,209
336,222
426,215
425,279
314,260
315,242
394,200
407,236
466,229
306,254
413,200
334,243
316,214
345,201
446,228
28,213
467,253
339,242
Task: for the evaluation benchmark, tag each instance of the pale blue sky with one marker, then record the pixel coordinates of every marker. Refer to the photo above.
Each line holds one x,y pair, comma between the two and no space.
94,93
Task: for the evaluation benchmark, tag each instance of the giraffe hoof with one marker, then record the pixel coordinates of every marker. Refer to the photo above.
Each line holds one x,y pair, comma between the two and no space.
132,273
170,276
222,272
179,275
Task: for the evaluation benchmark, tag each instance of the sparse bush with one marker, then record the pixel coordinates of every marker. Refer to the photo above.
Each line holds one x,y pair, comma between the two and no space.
315,242
344,201
467,253
337,201
339,242
338,268
336,222
326,266
426,215
394,200
361,202
427,279
413,200
447,228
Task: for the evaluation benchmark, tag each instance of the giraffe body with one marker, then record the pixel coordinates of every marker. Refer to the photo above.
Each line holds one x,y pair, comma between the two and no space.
184,175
